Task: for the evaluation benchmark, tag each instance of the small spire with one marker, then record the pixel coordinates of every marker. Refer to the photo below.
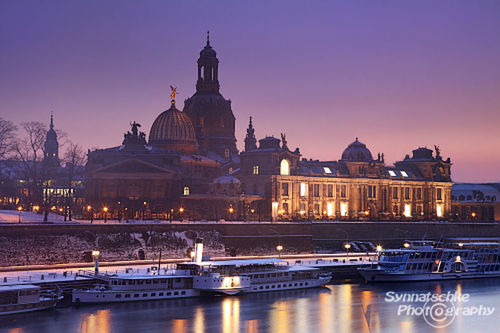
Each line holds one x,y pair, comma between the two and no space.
250,124
208,38
51,119
356,139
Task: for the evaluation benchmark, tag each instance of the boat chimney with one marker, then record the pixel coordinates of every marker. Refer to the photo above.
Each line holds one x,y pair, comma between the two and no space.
198,250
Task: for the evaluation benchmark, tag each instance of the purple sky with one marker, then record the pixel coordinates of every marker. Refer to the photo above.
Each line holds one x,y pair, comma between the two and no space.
396,74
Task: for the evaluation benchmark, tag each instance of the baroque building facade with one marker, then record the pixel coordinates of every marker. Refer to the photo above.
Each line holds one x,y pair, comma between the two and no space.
173,171
357,186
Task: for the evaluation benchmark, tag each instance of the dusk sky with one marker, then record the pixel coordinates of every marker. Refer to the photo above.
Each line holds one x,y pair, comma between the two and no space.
396,74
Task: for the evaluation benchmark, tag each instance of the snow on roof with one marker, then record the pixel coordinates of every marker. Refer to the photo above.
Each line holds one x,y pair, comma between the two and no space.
14,287
242,262
129,276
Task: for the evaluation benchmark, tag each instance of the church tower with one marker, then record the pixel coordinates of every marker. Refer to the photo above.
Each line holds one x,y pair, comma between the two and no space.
210,112
250,140
51,145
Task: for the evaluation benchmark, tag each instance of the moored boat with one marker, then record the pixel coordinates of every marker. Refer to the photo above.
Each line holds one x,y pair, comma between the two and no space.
427,260
25,298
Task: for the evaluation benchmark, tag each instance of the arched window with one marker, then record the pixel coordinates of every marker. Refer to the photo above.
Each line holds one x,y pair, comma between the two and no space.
226,153
284,168
186,190
255,169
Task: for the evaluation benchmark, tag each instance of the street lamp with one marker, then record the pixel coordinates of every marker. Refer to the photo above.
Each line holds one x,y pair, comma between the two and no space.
19,209
379,248
406,245
347,247
279,248
95,256
105,209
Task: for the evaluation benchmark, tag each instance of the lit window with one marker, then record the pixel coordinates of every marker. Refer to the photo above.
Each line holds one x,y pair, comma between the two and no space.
329,209
403,173
439,194
343,209
226,153
407,211
392,173
274,208
255,169
284,168
303,189
439,210
327,170
186,190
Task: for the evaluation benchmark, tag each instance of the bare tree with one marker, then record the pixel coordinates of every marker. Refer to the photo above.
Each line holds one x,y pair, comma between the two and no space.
74,159
7,137
30,152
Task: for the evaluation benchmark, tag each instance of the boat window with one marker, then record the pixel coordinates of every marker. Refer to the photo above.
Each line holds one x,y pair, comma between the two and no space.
156,281
127,295
140,281
183,293
148,281
153,294
160,294
176,293
136,295
118,296
144,295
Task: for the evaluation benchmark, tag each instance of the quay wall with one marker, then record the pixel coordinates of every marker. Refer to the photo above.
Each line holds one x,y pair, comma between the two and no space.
59,243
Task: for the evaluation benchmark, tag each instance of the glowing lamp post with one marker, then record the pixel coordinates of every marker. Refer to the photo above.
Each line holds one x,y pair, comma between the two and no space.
95,256
347,247
105,209
181,210
231,211
19,209
379,250
406,245
279,248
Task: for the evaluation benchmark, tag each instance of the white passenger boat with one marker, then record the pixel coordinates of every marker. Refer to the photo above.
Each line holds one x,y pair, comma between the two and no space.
25,298
263,274
425,260
129,287
178,283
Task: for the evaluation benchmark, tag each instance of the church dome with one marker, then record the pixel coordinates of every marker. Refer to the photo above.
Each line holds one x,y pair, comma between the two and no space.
174,130
357,152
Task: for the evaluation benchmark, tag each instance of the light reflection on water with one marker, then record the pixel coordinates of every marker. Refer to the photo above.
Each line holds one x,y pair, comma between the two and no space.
336,308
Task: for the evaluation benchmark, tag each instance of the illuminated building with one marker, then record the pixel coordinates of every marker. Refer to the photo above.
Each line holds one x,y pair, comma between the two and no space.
357,186
475,202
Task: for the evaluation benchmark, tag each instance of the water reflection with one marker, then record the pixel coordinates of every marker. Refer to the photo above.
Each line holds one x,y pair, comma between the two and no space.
337,308
94,322
230,314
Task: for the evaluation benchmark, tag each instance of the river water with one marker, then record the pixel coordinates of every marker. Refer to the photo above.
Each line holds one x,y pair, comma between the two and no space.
339,307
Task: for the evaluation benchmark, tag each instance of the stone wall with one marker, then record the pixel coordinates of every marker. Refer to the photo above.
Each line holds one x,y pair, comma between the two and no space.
49,244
